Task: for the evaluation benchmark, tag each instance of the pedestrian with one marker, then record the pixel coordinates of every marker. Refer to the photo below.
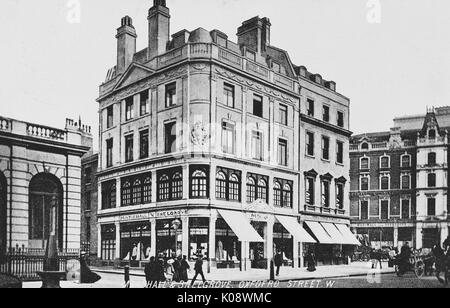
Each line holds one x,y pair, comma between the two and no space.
311,261
184,267
149,271
447,245
177,268
198,270
134,252
169,270
278,262
159,270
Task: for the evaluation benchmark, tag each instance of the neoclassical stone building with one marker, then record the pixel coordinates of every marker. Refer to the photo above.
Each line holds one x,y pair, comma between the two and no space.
399,182
219,148
40,169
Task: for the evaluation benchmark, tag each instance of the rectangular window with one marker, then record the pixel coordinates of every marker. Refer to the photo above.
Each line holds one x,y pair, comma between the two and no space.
109,195
431,210
110,117
87,200
109,152
144,104
128,148
326,114
282,152
405,209
384,183
384,162
406,161
310,144
339,152
283,115
325,148
309,191
364,210
87,175
364,163
170,132
144,144
364,183
431,180
228,95
171,94
310,107
340,119
340,196
258,106
257,145
384,209
129,110
325,194
406,181
228,138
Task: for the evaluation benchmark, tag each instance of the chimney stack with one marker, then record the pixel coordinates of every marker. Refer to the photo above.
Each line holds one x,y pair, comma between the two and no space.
158,28
126,44
255,34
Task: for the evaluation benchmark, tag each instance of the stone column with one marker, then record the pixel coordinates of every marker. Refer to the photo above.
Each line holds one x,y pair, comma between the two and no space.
99,242
185,241
153,238
301,264
212,240
118,193
154,187
295,254
444,231
244,256
268,238
117,240
244,187
419,236
396,236
186,182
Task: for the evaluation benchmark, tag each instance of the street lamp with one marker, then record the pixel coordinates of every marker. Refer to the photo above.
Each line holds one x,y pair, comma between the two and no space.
176,225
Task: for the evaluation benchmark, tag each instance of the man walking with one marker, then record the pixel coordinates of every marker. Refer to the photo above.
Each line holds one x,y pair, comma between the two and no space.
278,262
198,270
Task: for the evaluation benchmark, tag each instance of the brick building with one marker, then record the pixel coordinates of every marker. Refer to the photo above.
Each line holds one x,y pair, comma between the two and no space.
89,204
399,182
40,168
220,148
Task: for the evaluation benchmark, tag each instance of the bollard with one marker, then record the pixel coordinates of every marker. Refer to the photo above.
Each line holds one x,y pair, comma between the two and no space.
272,271
127,277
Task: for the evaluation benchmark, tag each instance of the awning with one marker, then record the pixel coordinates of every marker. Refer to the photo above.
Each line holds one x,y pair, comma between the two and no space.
350,238
319,232
241,226
335,234
295,229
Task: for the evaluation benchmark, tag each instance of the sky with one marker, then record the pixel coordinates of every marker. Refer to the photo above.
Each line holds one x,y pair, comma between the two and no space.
390,57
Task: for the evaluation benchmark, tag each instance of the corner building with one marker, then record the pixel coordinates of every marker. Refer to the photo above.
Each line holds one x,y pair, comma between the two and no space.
220,148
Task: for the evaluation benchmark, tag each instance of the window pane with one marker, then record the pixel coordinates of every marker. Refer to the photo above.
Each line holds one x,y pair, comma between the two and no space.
258,106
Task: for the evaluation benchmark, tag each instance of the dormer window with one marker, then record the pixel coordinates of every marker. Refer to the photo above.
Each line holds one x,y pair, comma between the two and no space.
432,134
365,146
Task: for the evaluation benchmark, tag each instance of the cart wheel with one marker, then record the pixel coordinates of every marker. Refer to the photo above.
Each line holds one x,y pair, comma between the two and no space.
419,269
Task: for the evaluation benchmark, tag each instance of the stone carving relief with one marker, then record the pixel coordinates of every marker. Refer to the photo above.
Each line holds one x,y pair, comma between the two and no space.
199,134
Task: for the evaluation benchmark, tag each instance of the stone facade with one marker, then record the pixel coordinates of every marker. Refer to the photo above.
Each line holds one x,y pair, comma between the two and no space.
89,203
399,182
204,111
40,168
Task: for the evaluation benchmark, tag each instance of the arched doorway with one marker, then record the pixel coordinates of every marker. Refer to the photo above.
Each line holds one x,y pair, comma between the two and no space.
3,215
44,192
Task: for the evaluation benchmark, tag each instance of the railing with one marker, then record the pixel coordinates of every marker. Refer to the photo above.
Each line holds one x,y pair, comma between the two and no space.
230,58
257,69
283,81
200,49
324,210
26,263
170,57
354,147
39,131
5,124
379,145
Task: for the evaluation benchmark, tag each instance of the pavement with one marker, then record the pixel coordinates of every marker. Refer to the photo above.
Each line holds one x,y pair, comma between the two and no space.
114,278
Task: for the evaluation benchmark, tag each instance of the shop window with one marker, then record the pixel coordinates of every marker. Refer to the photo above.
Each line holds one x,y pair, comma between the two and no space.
228,246
198,237
228,185
135,236
108,243
165,238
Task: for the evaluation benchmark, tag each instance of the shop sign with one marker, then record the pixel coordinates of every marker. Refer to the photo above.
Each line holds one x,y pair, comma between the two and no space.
135,217
258,216
168,214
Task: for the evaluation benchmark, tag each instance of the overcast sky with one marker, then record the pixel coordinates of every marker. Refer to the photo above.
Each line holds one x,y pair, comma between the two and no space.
389,65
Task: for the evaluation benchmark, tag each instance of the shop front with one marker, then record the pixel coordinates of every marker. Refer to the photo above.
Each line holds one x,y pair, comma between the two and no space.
283,242
228,246
198,238
135,241
169,238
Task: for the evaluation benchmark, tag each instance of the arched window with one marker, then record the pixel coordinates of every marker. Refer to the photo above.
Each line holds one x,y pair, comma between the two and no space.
277,194
221,186
137,193
45,193
163,188
432,134
3,214
251,190
406,161
126,193
177,186
365,146
262,190
234,191
199,184
385,162
287,195
147,190
364,163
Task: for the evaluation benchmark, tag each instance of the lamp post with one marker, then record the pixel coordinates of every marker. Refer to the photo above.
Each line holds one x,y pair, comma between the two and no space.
176,225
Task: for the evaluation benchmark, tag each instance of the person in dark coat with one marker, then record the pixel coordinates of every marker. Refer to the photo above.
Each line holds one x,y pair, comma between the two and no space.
198,270
447,245
405,255
184,267
177,269
86,275
311,261
278,262
150,272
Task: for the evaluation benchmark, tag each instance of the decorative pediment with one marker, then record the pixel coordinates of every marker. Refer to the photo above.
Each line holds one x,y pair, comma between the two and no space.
311,173
133,74
326,177
259,206
341,180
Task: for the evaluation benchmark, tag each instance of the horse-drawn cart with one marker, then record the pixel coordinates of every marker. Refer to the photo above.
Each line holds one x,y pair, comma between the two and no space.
415,264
